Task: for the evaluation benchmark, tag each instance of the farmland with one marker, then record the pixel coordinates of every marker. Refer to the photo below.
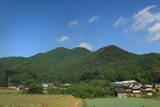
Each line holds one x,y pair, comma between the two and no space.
13,98
38,101
10,98
126,102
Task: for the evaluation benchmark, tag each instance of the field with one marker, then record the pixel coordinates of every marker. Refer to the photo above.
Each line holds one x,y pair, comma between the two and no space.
11,98
8,98
116,102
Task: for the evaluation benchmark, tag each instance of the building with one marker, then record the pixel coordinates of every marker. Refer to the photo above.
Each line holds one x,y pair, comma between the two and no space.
122,93
46,85
157,87
148,89
135,89
18,88
135,86
125,82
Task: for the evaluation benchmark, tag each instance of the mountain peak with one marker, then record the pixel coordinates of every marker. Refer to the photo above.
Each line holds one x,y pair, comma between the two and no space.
81,48
61,48
113,52
110,47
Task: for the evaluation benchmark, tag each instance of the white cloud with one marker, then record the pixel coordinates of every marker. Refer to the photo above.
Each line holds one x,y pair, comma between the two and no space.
85,45
154,37
93,19
155,28
120,21
146,21
73,23
154,32
144,18
62,39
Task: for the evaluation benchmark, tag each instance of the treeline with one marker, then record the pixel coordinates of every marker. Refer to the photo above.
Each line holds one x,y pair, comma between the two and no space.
84,90
92,89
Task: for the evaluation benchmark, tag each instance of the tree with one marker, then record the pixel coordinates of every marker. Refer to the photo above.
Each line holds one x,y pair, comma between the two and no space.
3,79
32,87
35,89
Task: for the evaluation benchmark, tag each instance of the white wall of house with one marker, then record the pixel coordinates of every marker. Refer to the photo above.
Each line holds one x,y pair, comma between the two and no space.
122,95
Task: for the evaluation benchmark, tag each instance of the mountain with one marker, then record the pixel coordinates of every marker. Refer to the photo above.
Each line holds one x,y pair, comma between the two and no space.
52,65
115,64
72,65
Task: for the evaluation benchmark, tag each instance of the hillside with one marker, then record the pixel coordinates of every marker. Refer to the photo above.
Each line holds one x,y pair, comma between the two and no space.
52,65
72,65
115,64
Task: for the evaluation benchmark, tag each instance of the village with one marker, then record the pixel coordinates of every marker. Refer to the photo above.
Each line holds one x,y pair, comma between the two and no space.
124,89
132,88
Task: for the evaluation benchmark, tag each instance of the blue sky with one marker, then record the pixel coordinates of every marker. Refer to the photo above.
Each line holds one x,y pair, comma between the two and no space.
28,27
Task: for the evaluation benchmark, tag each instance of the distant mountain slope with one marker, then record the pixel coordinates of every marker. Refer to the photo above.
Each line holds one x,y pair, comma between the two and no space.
106,61
52,65
70,65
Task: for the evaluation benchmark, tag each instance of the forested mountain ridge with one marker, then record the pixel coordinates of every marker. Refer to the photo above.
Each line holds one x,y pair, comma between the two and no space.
72,65
115,64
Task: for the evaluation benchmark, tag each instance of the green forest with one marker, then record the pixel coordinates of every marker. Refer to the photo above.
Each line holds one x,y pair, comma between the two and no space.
64,65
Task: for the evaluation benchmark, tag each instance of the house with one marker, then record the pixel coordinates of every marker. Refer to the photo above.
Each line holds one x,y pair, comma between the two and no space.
148,89
46,85
125,82
65,86
122,93
135,86
18,88
157,87
118,84
130,87
129,81
136,93
135,89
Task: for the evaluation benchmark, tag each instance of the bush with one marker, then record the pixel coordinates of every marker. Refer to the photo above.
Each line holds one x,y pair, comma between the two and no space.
90,91
35,89
31,86
56,91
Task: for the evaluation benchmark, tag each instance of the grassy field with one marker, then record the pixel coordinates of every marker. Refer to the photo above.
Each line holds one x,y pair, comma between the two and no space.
116,102
12,98
9,98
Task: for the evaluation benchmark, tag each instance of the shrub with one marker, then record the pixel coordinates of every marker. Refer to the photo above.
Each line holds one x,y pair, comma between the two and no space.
35,89
56,91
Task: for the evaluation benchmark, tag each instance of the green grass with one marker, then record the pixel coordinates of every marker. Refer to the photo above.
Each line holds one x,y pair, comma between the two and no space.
6,91
126,102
